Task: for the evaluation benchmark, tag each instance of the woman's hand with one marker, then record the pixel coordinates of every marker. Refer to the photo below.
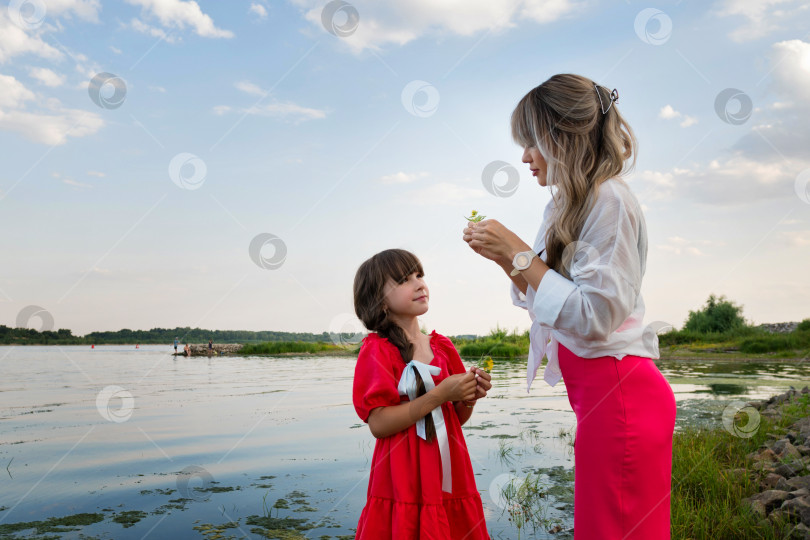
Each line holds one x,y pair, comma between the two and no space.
459,387
493,241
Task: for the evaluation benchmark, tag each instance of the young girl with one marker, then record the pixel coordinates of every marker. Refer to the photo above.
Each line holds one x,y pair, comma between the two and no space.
415,394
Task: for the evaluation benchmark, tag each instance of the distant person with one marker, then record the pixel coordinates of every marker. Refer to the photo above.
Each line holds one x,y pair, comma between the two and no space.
210,346
187,350
175,345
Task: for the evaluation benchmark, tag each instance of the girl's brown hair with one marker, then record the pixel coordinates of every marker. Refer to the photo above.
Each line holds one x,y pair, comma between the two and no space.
582,147
369,305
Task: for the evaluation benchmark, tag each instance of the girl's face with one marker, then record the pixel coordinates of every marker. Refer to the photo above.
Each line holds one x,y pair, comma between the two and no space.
537,164
408,298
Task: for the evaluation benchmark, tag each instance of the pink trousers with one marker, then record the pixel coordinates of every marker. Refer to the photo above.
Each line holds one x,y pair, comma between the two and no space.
625,413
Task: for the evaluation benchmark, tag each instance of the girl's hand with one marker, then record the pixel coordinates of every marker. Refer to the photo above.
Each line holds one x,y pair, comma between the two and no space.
483,382
459,387
492,240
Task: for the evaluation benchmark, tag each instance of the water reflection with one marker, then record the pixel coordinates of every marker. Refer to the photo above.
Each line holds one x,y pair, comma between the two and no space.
266,427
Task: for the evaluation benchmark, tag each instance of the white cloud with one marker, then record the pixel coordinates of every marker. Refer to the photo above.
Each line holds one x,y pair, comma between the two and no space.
764,162
668,113
250,88
140,26
84,9
15,41
258,10
796,238
73,183
678,245
179,14
52,127
446,193
219,110
381,23
46,76
762,17
402,178
116,50
97,174
280,109
13,93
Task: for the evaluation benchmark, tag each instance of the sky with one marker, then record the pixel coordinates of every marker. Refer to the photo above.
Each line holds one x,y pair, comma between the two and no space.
229,165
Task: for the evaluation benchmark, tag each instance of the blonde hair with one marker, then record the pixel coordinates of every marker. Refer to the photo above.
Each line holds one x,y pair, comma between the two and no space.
582,147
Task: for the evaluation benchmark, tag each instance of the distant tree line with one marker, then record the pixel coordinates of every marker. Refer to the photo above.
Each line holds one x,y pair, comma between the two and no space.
63,336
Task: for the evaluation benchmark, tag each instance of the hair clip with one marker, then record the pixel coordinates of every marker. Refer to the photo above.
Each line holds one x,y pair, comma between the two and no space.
614,97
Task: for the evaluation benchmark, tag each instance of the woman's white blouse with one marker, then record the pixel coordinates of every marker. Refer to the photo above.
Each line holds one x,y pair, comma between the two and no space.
600,312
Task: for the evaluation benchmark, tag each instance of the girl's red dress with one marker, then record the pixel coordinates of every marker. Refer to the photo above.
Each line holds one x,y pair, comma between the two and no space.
405,497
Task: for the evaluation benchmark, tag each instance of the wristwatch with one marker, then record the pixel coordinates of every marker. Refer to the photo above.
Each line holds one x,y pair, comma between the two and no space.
522,261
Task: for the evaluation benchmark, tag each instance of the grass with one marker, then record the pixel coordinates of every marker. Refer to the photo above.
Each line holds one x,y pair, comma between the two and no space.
742,342
706,497
498,344
296,347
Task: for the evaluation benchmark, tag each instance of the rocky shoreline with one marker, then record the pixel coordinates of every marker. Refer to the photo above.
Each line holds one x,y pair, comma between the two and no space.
225,349
779,328
782,468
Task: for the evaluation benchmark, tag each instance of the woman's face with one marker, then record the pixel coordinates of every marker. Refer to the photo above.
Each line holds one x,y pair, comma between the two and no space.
537,164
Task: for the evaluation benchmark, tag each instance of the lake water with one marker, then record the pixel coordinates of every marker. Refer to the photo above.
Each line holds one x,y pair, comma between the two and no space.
195,443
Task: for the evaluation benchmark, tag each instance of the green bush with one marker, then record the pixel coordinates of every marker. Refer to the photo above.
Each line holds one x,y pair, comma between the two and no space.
804,326
718,315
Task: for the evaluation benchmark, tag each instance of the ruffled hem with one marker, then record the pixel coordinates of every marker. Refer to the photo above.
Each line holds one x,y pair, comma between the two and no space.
456,518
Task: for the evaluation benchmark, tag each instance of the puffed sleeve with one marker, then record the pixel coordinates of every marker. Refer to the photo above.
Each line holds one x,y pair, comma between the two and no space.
454,363
606,271
375,384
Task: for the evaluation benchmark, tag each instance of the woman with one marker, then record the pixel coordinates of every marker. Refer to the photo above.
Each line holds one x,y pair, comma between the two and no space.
581,283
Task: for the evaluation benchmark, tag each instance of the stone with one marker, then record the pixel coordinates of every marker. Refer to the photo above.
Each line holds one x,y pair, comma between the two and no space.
770,498
803,449
803,492
789,470
782,485
793,507
799,482
800,532
757,507
767,456
770,481
785,450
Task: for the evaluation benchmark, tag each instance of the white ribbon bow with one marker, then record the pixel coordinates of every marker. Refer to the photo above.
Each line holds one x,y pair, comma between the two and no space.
407,386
